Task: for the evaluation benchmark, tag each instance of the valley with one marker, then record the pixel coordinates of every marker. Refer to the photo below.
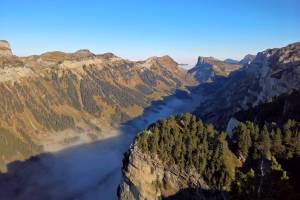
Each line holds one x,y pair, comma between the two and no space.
190,156
67,118
150,100
86,171
57,99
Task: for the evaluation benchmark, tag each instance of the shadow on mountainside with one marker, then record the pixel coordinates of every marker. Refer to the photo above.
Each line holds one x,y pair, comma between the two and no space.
86,171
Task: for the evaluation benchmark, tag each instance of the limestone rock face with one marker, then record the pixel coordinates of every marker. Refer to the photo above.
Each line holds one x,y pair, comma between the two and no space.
271,73
148,178
5,49
247,59
208,69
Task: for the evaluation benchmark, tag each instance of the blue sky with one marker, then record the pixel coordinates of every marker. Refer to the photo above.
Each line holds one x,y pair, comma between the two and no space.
137,29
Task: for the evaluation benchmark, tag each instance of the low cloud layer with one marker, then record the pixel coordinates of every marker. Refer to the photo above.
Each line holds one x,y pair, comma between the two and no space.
89,171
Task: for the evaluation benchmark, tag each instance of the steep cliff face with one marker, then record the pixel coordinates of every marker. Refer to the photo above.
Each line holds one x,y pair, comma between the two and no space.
271,73
161,164
56,99
182,158
247,59
175,156
208,69
145,177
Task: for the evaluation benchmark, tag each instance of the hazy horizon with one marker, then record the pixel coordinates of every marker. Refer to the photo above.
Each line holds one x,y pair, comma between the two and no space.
189,64
139,30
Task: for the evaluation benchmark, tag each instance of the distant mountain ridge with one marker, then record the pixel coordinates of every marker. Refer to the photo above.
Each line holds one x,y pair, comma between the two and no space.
272,72
247,59
56,98
208,69
181,157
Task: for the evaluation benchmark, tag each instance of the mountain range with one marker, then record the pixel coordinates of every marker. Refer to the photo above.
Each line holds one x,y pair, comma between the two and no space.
272,73
183,157
56,99
208,69
242,141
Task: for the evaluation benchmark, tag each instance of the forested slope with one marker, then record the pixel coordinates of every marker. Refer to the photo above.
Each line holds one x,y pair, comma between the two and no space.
259,161
57,98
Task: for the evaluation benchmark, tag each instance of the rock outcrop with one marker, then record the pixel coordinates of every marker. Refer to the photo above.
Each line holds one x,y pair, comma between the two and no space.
175,157
247,59
208,69
145,178
163,165
271,73
5,49
148,178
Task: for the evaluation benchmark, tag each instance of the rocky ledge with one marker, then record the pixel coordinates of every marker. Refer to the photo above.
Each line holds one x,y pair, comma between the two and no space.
145,177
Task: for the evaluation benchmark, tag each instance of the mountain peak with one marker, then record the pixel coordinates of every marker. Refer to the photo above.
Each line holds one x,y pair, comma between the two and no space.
164,60
84,52
167,58
108,55
202,60
208,68
247,59
5,49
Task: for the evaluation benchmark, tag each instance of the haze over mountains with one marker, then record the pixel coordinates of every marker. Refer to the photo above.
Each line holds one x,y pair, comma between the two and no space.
183,158
208,69
54,100
272,73
150,100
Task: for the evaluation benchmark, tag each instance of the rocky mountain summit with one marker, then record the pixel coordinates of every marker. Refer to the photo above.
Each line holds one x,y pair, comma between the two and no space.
5,49
56,99
271,73
208,69
247,59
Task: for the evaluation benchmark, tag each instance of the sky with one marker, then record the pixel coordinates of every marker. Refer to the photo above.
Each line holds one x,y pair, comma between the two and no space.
138,29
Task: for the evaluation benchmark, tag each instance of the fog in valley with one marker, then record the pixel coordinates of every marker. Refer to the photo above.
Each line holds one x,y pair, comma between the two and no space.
88,171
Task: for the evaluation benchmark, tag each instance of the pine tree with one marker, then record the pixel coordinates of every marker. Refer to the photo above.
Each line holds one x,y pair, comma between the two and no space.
265,143
277,147
287,139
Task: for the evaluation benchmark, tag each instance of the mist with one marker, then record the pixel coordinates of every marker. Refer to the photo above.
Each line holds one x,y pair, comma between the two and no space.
88,171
